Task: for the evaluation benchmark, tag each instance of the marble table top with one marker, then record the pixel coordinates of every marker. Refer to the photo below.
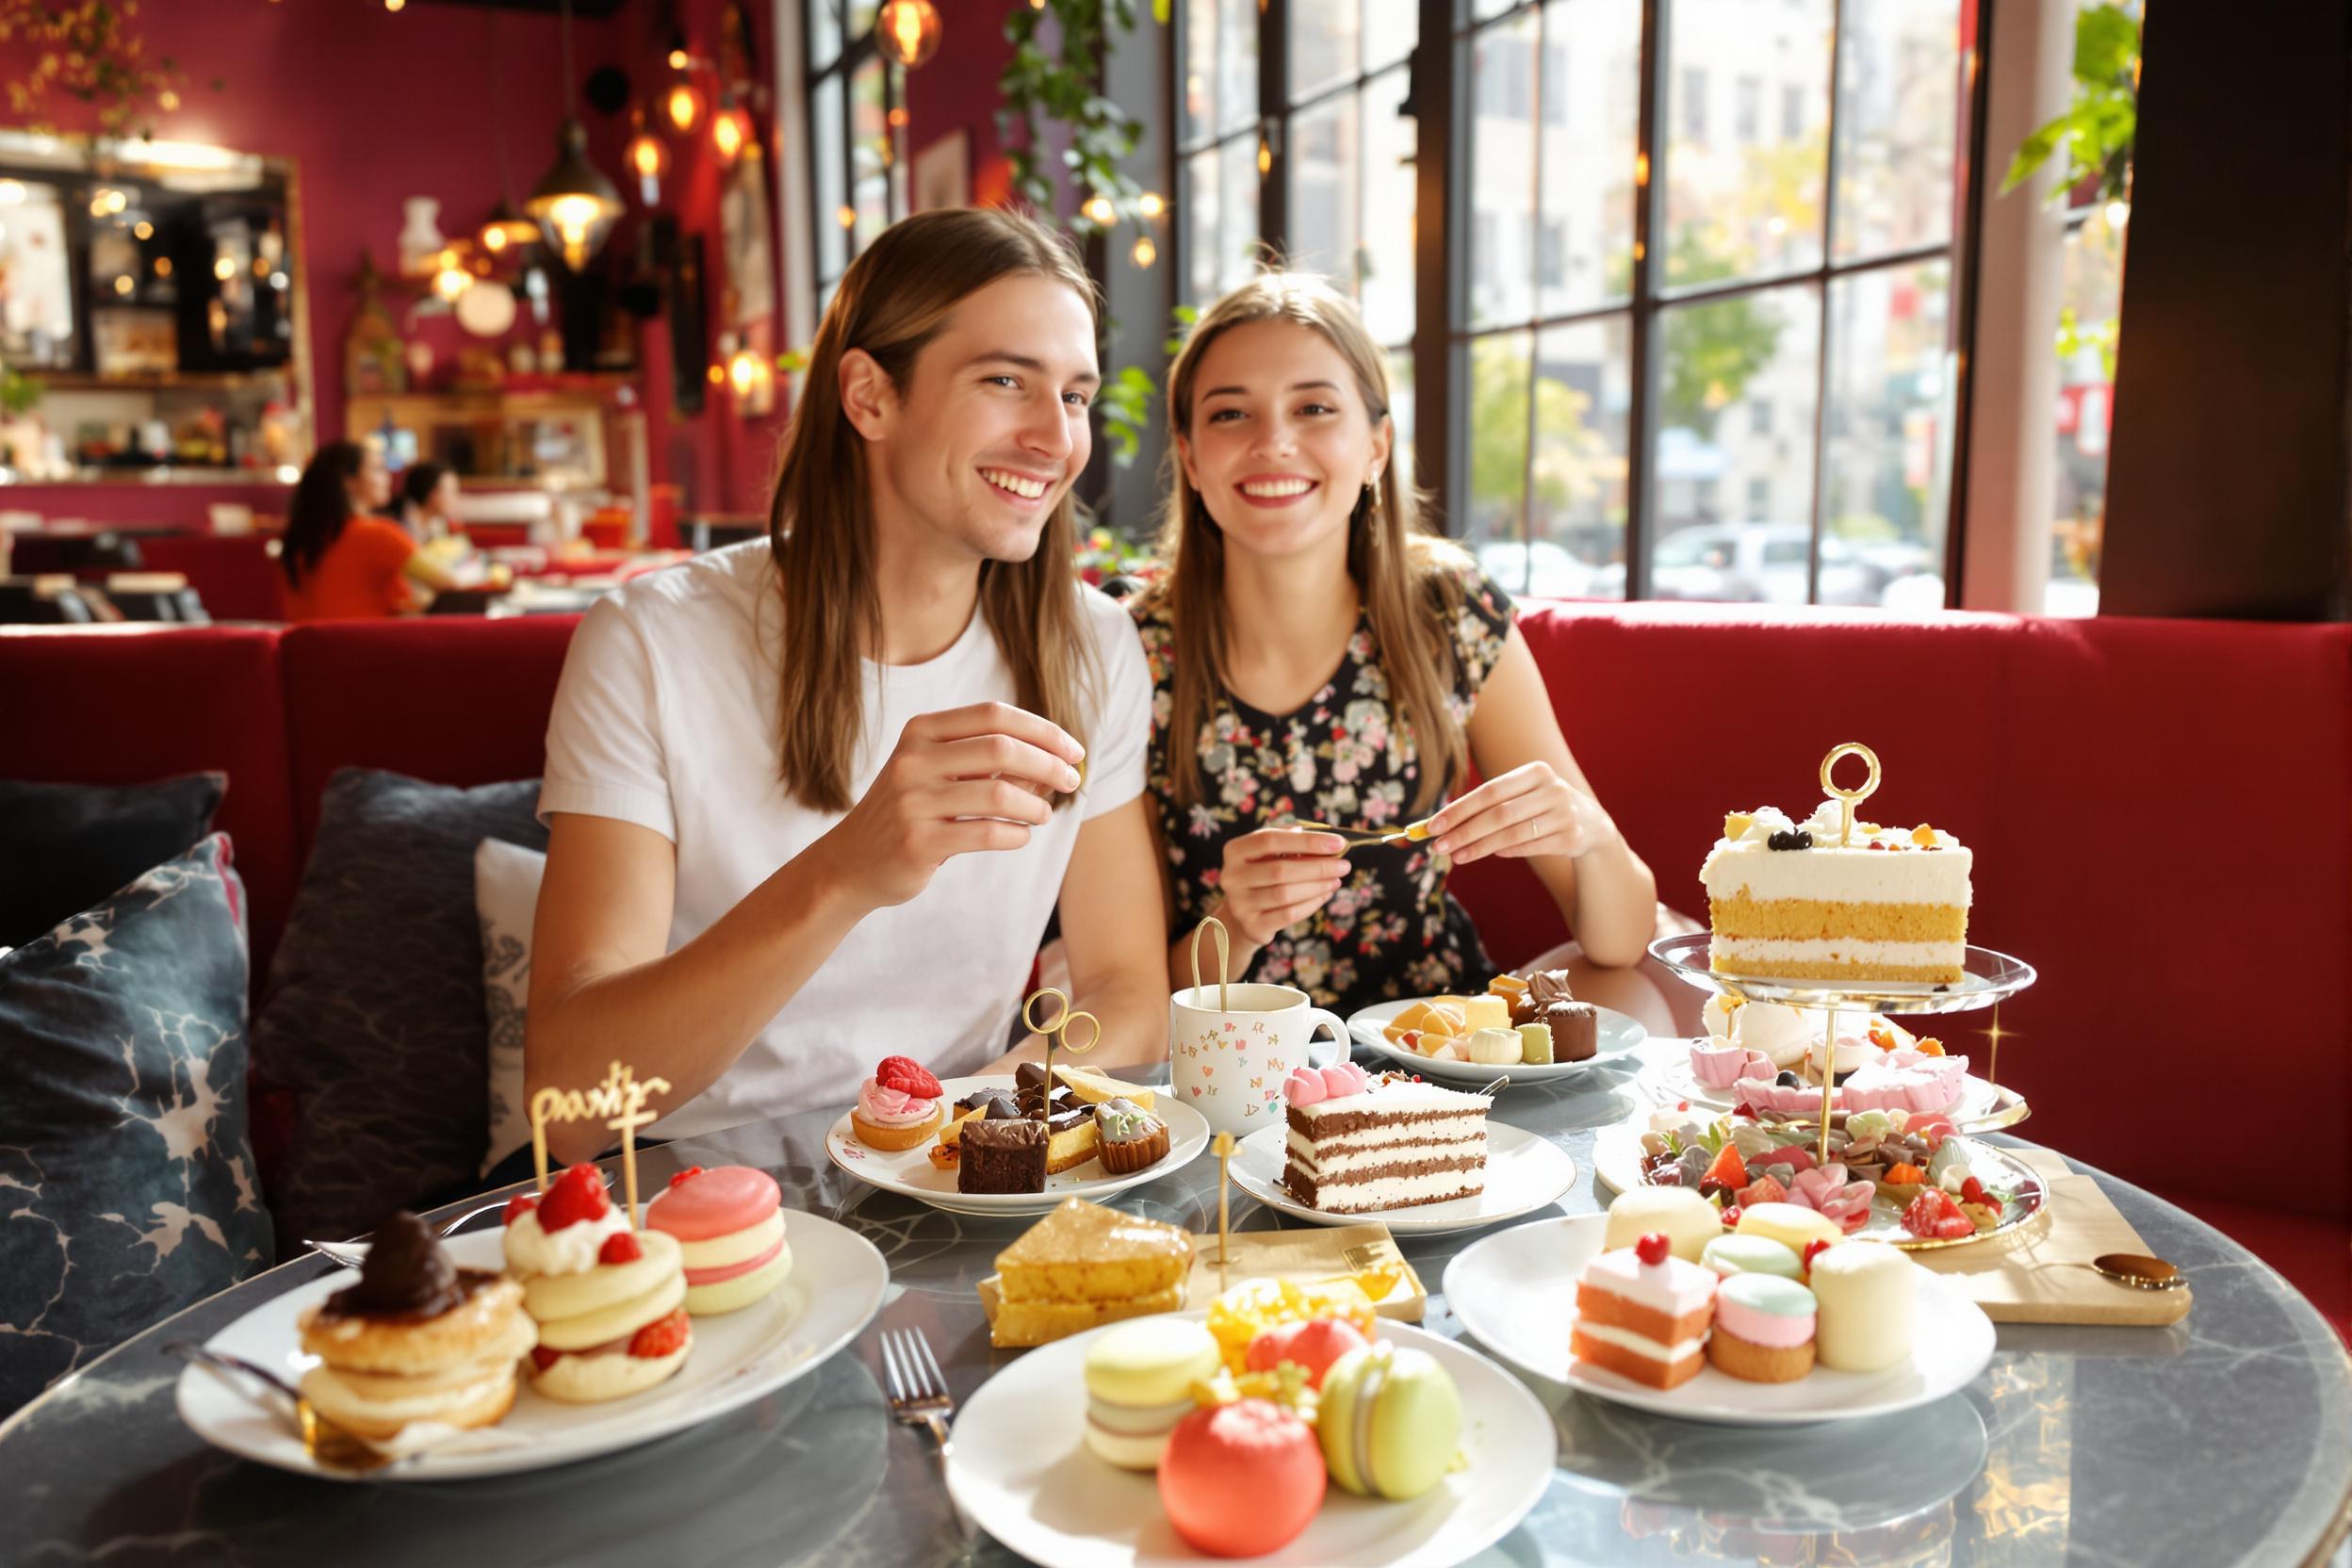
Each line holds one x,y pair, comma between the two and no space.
2225,1439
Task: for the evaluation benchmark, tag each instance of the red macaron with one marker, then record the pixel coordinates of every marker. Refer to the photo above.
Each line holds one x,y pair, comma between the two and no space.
1241,1479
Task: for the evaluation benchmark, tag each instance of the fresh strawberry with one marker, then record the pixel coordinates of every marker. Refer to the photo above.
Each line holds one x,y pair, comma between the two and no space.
1762,1190
620,1247
663,1336
578,1194
1933,1214
1972,1191
519,1205
1729,1169
543,1358
1814,1248
908,1076
1653,1249
686,1175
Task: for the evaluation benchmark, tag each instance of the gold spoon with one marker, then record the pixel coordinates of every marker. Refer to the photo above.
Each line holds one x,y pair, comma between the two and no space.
1412,833
330,1445
2139,1271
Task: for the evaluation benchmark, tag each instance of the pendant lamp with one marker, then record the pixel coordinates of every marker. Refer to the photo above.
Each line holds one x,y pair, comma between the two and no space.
574,204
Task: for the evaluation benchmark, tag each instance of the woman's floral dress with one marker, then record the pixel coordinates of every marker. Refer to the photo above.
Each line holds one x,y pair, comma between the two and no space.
1392,930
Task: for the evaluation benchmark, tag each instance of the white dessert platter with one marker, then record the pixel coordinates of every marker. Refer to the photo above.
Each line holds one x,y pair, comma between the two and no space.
1983,1106
834,1289
1617,1162
1616,1035
1022,1471
909,1172
1516,1291
1524,1172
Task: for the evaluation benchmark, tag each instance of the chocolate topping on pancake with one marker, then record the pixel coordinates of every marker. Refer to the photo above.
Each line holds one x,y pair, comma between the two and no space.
407,1275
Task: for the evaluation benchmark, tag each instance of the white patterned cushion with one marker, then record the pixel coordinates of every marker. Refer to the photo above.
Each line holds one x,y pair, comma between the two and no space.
128,1187
506,896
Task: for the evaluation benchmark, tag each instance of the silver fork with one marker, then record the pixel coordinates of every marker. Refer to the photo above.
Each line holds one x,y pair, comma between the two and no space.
919,1396
351,1254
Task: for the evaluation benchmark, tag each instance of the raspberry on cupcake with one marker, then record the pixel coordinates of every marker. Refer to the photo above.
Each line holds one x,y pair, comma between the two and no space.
899,1107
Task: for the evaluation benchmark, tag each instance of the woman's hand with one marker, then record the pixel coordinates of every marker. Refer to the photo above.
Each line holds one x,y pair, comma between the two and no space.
961,781
1278,877
1528,810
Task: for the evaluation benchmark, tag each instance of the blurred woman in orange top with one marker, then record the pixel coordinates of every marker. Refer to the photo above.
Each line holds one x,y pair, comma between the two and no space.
343,561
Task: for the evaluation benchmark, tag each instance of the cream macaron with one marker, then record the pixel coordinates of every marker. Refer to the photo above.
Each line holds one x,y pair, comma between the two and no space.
1140,1378
729,1225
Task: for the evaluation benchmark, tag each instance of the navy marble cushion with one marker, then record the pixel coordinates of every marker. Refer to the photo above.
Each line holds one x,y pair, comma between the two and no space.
374,1017
127,1188
66,846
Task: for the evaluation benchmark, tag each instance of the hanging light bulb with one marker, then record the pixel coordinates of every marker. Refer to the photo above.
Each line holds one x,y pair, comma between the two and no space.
683,105
504,229
574,203
648,159
730,132
1100,212
1145,252
679,56
1150,204
452,280
907,31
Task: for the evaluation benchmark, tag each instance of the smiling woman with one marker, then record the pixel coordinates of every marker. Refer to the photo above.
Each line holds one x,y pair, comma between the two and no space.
1319,654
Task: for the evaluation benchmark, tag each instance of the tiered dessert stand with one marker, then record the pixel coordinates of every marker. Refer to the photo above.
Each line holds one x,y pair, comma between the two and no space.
1987,977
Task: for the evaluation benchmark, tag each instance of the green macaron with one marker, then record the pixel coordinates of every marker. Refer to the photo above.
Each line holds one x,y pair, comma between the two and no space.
1390,1421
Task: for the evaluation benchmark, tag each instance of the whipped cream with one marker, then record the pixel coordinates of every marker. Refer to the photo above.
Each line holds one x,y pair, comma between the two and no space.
532,1249
888,1108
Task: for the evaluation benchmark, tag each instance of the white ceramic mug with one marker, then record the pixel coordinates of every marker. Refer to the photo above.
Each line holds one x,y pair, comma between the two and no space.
1228,1063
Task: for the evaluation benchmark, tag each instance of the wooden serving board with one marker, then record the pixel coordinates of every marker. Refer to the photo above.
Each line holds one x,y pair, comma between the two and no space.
2041,1272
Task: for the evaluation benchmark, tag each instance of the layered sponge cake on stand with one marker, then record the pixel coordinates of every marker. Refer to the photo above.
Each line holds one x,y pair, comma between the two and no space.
1837,899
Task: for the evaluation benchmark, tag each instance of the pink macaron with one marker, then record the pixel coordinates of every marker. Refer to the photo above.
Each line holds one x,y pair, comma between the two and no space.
729,1226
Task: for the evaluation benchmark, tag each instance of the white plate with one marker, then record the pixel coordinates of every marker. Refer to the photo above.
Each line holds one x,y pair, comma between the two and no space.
1524,1172
910,1173
1516,1291
833,1291
1021,1470
1617,1163
1617,1036
1983,1107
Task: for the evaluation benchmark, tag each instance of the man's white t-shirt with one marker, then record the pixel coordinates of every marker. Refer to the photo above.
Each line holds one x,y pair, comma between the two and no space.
667,717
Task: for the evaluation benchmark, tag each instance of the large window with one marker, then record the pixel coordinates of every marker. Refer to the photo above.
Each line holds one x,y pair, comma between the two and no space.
1324,177
856,136
1699,271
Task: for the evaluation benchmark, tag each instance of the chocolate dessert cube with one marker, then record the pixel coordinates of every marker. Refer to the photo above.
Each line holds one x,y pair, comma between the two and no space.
1003,1156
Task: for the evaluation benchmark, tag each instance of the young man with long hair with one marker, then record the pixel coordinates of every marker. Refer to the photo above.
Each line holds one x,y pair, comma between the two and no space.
1319,654
811,800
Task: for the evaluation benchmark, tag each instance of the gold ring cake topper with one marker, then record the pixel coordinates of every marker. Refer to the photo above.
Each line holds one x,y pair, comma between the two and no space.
1849,799
619,1102
1054,1030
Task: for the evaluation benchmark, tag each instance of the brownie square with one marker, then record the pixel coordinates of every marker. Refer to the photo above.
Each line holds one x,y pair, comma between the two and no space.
1001,1156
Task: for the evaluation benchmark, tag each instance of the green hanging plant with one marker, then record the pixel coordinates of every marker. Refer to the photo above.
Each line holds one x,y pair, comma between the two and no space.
2095,131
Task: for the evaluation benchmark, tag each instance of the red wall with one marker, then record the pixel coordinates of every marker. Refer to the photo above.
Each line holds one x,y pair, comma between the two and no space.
375,106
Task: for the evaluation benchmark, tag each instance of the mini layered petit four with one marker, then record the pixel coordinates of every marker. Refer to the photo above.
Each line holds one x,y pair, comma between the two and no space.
1072,1138
1083,1266
1140,1378
1865,1290
1791,901
1358,1144
1390,1420
1687,1220
1644,1313
1764,1327
612,1325
728,1222
899,1107
1243,1478
1006,1156
1128,1138
415,1340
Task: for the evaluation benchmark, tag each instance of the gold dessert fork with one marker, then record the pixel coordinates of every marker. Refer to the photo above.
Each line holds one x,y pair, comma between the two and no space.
330,1445
1411,833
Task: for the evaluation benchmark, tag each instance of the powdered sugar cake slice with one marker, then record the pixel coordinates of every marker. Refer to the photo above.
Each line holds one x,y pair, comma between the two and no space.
1396,1143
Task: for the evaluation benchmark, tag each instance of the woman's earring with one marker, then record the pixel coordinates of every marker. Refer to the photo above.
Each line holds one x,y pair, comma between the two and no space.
1372,493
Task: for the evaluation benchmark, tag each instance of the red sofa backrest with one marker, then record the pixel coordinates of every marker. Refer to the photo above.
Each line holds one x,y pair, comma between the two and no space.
2162,815
127,704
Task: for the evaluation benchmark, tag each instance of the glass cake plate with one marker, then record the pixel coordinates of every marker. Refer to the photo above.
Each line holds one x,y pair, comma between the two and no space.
1987,978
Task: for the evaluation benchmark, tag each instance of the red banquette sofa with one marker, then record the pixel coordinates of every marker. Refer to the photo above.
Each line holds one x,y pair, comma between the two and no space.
2161,811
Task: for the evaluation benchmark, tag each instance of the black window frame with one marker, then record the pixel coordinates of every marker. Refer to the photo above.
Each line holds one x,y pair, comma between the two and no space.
854,55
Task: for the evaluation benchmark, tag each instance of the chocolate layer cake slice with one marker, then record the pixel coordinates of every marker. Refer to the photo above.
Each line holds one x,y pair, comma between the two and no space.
1003,1156
1396,1145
